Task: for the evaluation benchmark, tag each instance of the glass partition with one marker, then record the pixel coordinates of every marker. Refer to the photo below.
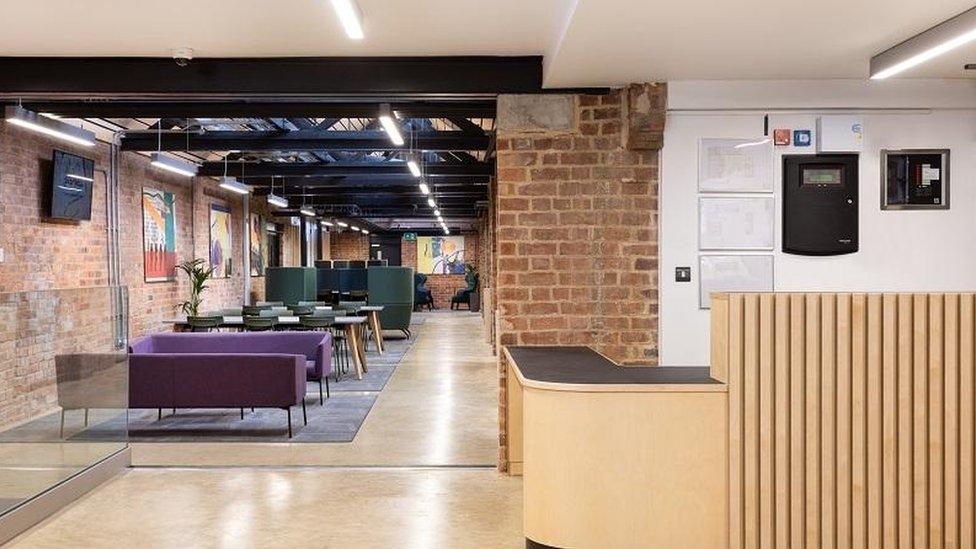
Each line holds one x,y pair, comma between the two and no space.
63,386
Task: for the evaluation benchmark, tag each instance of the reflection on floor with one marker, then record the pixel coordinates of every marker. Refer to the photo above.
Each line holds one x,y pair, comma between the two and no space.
420,473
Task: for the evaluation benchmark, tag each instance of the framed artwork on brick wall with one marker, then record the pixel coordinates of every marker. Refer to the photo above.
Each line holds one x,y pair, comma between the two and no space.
220,241
257,231
440,254
158,235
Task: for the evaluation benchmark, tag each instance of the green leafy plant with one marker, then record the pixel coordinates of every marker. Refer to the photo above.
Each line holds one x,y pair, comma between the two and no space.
198,273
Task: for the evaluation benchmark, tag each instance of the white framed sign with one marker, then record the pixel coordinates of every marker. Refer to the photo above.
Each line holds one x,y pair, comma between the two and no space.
735,165
736,222
733,273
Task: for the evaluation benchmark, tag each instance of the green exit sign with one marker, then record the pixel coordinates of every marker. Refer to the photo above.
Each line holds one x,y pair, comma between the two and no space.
410,236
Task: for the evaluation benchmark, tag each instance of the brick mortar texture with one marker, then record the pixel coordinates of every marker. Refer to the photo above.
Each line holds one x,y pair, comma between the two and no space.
576,238
52,264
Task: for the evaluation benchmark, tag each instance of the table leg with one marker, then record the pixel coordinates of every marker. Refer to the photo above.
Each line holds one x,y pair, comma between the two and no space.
374,326
361,331
352,340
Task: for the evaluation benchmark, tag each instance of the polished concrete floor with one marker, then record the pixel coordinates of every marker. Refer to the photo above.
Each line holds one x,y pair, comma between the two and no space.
419,474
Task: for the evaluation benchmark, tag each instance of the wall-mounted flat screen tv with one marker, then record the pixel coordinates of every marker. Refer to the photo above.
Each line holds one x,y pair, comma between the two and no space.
71,186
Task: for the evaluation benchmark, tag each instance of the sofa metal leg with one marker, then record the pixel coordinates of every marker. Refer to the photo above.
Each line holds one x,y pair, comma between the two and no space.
304,413
289,421
327,395
242,413
320,389
86,417
62,423
159,414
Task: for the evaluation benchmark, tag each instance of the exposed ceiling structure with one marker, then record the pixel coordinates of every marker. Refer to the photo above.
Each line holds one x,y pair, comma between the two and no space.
339,167
585,42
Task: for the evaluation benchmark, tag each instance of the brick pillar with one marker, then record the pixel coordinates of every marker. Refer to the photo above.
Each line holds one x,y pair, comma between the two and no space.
576,224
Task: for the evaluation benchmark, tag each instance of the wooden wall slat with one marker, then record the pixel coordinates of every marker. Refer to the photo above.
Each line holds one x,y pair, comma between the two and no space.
905,373
813,419
859,426
828,420
843,462
883,445
782,419
852,419
874,420
967,406
736,461
950,387
767,423
935,411
920,424
750,420
797,420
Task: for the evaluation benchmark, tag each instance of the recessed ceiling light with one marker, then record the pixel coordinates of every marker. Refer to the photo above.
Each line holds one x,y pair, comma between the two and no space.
940,39
389,123
30,120
351,18
170,164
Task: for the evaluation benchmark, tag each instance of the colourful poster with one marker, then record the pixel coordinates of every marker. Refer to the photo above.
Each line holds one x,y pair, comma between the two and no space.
440,254
220,242
158,235
256,231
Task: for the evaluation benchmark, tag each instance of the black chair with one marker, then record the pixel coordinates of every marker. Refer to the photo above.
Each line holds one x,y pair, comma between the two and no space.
204,323
464,295
259,323
422,295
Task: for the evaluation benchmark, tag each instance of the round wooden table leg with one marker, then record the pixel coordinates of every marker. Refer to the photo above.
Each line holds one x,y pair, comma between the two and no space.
353,342
374,326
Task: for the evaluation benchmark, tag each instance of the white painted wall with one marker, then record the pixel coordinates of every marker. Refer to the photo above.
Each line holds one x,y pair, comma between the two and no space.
899,250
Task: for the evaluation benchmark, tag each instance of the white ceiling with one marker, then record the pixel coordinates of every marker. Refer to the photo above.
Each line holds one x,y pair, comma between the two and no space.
586,42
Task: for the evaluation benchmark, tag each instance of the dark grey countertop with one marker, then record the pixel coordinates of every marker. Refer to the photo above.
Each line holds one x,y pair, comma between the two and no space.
582,365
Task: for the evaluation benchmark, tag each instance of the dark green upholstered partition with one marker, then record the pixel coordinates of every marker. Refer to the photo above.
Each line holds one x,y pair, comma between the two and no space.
392,287
290,284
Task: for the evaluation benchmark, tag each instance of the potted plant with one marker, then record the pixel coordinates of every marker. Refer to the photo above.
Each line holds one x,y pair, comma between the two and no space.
198,273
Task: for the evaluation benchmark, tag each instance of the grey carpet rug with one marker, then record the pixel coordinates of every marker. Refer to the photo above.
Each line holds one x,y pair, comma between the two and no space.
337,420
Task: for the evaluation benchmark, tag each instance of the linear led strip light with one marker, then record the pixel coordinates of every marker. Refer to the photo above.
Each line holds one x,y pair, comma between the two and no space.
171,164
928,45
233,185
389,122
19,116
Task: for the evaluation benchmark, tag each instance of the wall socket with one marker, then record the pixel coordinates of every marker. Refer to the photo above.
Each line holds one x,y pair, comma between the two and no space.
682,274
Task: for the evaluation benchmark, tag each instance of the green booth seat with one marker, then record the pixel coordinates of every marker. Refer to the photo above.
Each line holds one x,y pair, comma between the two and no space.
392,287
290,285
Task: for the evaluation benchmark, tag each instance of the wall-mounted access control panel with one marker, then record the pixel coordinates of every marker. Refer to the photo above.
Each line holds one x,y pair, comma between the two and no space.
820,204
916,179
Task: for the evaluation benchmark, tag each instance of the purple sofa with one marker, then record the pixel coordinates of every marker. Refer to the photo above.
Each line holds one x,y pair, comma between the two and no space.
227,370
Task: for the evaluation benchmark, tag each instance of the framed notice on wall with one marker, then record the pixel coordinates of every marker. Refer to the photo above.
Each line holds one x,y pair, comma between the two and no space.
220,241
736,222
733,273
735,165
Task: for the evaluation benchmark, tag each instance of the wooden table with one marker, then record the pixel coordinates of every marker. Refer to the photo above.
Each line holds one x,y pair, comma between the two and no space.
373,314
353,326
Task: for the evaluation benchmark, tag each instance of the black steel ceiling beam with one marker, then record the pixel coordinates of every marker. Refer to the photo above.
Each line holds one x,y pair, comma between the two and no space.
293,76
301,140
260,109
401,180
339,169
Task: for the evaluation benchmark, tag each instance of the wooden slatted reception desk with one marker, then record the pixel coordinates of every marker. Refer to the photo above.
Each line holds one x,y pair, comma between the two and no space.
828,420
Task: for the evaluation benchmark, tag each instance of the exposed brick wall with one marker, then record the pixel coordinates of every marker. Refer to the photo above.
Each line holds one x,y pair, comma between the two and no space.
576,237
408,253
350,245
41,254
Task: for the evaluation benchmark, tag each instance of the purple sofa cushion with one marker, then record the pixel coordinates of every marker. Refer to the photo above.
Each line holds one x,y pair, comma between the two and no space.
314,346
